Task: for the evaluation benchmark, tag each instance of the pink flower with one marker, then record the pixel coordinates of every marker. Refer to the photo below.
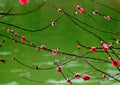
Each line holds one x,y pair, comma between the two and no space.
86,77
14,41
43,47
78,47
93,49
115,63
103,76
81,10
105,46
95,12
8,30
78,7
54,52
59,69
77,76
23,38
107,17
23,2
53,24
16,35
37,48
59,10
68,80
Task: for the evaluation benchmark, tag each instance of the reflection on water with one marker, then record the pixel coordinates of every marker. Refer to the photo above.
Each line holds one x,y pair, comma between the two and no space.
27,74
46,63
15,50
82,82
112,72
5,53
116,84
76,81
47,54
72,64
2,4
43,63
17,70
11,83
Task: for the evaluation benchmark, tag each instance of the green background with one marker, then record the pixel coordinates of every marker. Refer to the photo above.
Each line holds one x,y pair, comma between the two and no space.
63,36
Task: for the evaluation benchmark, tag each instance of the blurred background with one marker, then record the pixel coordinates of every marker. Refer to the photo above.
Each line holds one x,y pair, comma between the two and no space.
62,36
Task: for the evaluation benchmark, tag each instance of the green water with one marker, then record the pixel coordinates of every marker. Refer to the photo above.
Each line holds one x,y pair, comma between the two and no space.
63,36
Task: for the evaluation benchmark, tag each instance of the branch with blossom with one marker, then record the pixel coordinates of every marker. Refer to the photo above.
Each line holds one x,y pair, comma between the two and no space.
112,57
